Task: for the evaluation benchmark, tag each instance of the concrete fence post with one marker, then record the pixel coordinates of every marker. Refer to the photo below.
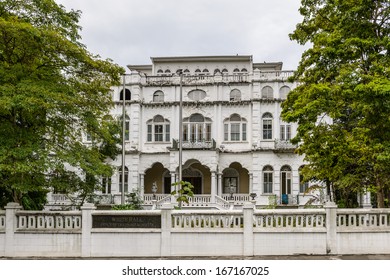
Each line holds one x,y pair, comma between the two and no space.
331,227
10,228
248,229
86,227
166,227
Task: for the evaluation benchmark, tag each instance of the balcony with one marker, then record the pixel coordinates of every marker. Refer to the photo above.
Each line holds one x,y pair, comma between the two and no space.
211,79
195,145
284,145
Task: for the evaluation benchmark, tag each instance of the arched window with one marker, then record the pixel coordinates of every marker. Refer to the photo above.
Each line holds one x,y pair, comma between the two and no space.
186,72
267,92
127,94
285,181
158,130
235,128
303,186
196,128
236,71
225,71
243,70
126,179
198,72
268,179
206,72
267,126
167,72
158,96
217,71
235,95
196,94
160,72
284,90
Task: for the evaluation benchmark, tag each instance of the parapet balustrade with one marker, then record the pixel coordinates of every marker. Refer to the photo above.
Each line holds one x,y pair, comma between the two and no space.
197,200
148,198
283,219
209,79
207,219
48,220
363,219
238,198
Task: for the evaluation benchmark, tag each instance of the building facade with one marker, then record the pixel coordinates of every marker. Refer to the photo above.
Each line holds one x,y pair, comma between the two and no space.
234,141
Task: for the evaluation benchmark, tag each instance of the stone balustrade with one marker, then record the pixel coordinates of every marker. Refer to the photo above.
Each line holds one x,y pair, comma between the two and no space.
287,219
208,219
363,219
48,220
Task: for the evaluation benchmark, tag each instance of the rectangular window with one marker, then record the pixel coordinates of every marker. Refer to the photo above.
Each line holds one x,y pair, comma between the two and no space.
285,132
106,185
235,132
267,129
208,132
127,131
158,133
244,132
167,133
226,132
268,182
149,133
185,132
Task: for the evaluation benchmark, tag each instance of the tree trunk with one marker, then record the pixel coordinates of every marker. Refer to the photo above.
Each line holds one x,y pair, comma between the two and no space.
380,198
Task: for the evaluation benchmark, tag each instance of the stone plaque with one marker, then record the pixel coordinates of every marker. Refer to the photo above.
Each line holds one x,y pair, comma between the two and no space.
126,221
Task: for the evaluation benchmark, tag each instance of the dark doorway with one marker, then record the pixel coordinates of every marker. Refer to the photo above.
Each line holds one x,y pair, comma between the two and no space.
196,182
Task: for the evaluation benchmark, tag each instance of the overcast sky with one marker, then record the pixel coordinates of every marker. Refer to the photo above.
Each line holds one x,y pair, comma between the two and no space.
132,31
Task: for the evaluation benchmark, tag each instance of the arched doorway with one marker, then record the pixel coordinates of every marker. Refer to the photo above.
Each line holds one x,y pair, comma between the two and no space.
198,175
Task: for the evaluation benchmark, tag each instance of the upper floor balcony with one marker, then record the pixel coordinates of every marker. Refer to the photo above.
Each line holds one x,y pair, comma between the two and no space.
195,145
172,80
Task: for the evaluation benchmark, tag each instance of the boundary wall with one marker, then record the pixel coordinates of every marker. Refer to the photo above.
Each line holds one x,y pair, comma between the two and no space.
246,232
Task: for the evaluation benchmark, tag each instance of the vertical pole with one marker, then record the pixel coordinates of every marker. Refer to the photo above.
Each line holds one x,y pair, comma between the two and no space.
123,138
181,130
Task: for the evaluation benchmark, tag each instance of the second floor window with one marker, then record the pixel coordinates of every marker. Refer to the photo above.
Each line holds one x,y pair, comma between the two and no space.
196,128
268,179
267,126
158,130
235,128
285,132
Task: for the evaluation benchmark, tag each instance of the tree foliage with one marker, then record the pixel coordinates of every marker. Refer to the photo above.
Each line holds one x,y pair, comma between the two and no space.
52,92
342,101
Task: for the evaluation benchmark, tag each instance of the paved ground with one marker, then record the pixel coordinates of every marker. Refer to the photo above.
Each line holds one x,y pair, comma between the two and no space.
293,257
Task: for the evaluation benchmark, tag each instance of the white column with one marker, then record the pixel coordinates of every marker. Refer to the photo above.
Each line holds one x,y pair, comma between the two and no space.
220,184
142,184
213,186
250,183
10,228
166,227
86,216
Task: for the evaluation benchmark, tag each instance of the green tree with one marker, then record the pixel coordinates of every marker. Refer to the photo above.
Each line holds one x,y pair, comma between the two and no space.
185,191
52,92
342,101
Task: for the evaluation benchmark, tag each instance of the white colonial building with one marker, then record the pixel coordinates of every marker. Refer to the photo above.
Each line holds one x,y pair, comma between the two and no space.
234,140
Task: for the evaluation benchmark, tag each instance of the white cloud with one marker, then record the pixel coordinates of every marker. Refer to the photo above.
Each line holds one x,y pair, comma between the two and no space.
131,31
